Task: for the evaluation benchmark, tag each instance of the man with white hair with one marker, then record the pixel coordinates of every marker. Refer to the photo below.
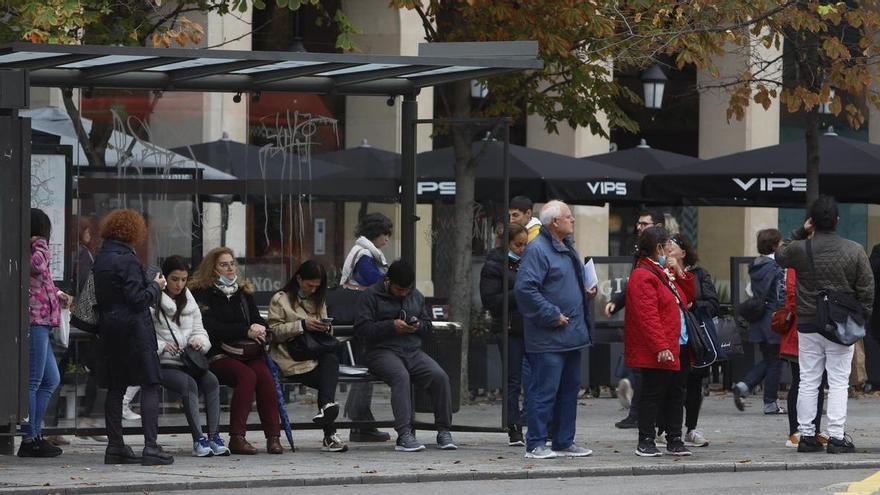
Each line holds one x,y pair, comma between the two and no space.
552,298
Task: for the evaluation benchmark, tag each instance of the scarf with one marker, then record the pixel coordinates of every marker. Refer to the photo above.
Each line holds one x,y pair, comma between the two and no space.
362,247
227,289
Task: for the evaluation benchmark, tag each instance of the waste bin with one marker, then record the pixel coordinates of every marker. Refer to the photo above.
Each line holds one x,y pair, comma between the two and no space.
443,344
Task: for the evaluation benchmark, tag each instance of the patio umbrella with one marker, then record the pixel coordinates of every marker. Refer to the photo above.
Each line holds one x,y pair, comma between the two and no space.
250,162
282,410
774,175
53,121
644,159
540,175
365,162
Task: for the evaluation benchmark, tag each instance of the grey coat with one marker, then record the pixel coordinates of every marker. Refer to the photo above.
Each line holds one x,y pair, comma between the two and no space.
841,265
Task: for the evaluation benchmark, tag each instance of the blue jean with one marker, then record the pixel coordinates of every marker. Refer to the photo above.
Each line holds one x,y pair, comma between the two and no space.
43,381
552,397
518,372
767,370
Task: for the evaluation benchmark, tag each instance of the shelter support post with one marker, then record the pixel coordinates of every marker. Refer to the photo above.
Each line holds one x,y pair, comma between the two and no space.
408,217
15,183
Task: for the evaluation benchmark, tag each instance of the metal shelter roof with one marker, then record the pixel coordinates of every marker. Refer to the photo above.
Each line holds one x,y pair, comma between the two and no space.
192,69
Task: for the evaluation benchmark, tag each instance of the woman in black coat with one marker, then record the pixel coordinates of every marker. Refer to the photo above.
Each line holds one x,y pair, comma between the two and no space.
125,294
706,305
504,262
230,316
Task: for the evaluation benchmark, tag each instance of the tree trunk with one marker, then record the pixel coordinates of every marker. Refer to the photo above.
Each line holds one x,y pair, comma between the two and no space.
812,139
95,158
463,234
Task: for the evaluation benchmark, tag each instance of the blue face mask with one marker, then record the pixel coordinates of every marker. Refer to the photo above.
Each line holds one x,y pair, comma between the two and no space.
227,281
514,257
661,260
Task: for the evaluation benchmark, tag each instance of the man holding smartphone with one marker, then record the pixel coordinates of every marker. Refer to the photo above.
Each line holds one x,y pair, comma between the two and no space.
391,321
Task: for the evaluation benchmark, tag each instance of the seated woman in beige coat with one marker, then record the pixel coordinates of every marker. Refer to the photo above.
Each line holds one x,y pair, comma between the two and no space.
298,308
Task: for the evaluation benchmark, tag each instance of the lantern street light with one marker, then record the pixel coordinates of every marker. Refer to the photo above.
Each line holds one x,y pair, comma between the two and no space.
654,83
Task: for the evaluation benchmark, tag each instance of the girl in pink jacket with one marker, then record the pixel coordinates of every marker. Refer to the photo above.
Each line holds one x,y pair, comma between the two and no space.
45,302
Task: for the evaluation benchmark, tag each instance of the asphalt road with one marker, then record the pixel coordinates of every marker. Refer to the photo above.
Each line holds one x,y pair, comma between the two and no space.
763,483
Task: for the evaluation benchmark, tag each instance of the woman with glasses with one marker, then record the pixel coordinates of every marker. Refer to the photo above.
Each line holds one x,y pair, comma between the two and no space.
232,319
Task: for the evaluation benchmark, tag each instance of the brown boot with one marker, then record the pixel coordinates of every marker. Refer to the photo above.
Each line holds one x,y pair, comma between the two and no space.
273,445
239,446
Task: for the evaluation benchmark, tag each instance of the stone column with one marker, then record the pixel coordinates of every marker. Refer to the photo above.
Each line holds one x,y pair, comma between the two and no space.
389,31
726,232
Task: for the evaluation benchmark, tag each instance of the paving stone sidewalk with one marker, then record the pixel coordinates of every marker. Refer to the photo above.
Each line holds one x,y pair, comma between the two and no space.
741,441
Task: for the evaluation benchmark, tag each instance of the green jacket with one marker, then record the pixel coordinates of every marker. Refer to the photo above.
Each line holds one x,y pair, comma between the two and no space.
841,265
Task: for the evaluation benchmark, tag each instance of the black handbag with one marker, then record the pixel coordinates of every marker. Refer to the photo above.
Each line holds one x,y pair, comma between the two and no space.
311,345
729,338
195,363
700,342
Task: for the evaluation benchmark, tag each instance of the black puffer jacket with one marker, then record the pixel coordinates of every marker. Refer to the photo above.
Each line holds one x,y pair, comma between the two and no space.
497,266
227,318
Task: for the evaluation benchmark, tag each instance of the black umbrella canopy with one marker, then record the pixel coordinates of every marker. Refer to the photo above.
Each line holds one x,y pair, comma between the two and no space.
540,175
364,162
774,176
250,162
644,159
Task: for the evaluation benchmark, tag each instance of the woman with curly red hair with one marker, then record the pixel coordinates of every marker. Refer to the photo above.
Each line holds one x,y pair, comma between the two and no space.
231,316
125,294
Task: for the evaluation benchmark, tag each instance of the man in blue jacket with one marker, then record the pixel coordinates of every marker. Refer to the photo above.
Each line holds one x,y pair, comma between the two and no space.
551,295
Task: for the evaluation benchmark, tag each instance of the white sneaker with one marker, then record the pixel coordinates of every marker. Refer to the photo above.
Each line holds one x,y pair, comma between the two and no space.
574,451
695,438
201,448
129,415
624,393
541,453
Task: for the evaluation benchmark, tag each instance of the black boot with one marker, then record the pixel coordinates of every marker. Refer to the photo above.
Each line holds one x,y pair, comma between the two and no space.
368,435
120,454
155,456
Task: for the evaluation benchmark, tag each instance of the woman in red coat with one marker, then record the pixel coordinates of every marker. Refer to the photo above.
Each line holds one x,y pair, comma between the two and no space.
788,351
655,339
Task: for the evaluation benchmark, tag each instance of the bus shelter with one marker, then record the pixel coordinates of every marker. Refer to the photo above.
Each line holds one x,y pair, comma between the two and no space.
25,65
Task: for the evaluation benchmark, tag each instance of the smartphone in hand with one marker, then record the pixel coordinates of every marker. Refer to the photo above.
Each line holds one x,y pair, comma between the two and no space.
327,321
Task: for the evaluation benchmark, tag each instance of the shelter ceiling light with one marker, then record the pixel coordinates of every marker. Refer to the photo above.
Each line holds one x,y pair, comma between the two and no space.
830,131
654,84
237,97
255,97
643,144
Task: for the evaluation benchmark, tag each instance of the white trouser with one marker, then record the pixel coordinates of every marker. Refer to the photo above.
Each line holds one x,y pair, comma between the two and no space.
130,392
815,355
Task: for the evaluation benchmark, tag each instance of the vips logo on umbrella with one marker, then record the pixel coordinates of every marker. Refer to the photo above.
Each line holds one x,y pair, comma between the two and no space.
770,184
445,188
607,188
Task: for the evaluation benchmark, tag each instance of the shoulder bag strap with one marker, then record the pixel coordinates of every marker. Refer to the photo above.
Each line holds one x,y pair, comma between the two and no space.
244,306
812,261
167,323
669,285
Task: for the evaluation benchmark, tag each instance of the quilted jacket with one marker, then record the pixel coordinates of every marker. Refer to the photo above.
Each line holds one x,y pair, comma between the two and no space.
841,265
652,322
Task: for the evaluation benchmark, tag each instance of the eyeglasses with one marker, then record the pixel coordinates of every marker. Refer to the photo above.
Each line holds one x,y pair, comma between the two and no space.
227,264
